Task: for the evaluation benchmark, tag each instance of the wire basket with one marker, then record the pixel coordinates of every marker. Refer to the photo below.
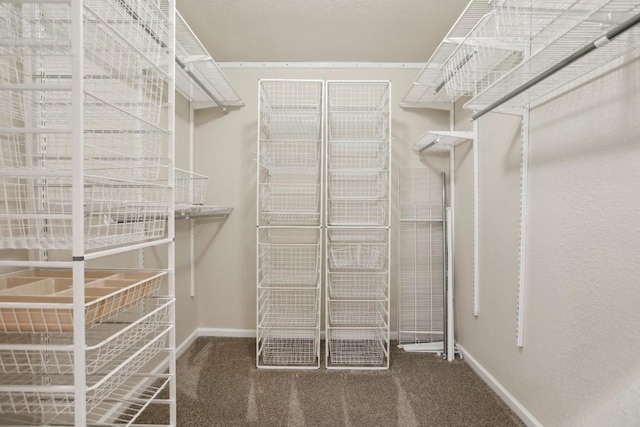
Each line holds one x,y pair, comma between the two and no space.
290,198
358,314
289,257
292,308
358,155
360,235
190,188
355,96
372,286
358,184
35,213
46,304
288,347
290,157
362,347
357,256
106,342
358,212
358,126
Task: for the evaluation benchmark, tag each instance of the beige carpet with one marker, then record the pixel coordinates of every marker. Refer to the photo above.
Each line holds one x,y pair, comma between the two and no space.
219,385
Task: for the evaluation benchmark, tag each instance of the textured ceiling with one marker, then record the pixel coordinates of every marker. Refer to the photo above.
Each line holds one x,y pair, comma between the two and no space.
320,30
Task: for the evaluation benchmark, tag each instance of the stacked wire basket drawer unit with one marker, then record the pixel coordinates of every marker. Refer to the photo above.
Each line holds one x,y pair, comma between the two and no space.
81,144
290,184
357,232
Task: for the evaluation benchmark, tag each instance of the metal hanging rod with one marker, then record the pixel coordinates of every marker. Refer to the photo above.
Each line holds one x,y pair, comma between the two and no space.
609,36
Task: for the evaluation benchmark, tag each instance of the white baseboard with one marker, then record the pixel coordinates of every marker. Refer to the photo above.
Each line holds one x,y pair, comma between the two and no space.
223,332
500,390
184,345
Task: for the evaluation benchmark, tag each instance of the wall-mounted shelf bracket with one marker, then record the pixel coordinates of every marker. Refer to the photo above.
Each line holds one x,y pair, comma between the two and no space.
441,139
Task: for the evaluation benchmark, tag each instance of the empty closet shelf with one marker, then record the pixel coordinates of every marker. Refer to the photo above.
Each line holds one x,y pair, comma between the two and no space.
283,347
202,211
46,304
106,342
366,347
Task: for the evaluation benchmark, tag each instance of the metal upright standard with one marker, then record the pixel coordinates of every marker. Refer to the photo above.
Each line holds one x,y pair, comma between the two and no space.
422,269
289,238
357,233
81,92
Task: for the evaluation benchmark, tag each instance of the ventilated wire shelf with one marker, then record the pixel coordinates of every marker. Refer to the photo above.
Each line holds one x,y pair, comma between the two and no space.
358,285
363,155
289,257
355,184
293,308
357,256
17,398
570,28
46,304
291,157
361,347
190,188
35,212
358,314
288,347
357,212
420,193
107,341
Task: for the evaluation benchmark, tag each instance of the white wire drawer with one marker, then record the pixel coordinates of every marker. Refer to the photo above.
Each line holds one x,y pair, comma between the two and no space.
127,331
293,308
358,314
190,188
290,157
358,126
362,155
358,212
362,347
288,347
46,304
289,257
357,256
353,184
372,286
293,198
358,235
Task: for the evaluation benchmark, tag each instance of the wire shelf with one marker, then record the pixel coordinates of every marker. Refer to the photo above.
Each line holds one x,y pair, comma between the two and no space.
362,347
190,188
420,192
289,257
51,405
107,341
356,184
358,155
292,308
35,213
357,212
358,314
46,304
375,235
288,347
291,157
357,256
372,286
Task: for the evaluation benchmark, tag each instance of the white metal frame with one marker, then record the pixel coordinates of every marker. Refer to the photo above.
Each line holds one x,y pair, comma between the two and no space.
127,380
364,303
290,184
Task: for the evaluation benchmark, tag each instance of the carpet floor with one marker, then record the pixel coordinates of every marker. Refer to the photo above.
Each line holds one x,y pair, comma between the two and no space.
219,385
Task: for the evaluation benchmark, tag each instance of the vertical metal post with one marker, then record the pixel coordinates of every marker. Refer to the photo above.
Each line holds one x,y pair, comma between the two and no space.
192,226
476,219
450,338
524,207
445,251
77,210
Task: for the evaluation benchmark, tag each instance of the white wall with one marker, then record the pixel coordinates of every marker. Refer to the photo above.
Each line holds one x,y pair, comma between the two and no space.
580,364
226,152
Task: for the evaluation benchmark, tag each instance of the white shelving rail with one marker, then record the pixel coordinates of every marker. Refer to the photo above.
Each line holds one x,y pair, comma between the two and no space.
289,235
357,241
81,93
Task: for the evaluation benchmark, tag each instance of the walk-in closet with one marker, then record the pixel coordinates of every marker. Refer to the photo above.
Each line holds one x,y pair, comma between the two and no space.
328,213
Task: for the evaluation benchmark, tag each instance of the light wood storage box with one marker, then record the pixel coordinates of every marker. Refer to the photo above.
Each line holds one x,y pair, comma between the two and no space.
42,300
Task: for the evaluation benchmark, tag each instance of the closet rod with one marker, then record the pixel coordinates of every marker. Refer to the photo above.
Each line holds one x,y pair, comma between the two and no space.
197,81
609,36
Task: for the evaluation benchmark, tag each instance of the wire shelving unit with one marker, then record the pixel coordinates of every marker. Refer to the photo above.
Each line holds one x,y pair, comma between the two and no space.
289,237
82,87
358,231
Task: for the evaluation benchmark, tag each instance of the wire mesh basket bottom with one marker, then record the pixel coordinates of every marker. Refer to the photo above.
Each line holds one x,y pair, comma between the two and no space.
288,347
357,347
105,342
369,256
190,188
